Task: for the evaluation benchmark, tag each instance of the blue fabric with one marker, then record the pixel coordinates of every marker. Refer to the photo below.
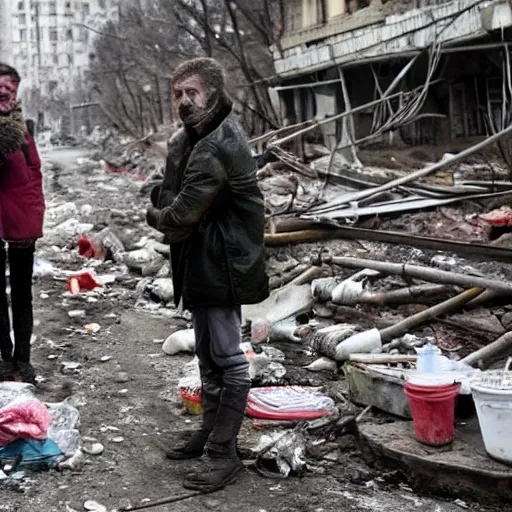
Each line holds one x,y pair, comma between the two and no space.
31,453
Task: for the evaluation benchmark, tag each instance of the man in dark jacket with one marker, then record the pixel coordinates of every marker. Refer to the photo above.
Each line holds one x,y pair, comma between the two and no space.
211,210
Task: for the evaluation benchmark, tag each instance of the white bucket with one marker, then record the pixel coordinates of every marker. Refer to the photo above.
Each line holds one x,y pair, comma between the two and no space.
492,393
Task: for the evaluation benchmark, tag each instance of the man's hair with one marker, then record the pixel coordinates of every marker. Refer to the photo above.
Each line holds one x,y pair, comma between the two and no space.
6,70
209,70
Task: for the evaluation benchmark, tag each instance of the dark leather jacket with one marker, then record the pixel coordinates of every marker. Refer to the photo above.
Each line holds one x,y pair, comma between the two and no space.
213,217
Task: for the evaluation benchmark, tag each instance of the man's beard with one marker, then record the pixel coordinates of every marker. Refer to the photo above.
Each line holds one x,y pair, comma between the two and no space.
191,114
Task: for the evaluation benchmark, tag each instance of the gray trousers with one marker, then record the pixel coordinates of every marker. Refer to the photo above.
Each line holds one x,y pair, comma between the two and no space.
218,335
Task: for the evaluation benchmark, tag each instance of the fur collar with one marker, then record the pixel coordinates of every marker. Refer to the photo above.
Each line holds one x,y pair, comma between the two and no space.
12,131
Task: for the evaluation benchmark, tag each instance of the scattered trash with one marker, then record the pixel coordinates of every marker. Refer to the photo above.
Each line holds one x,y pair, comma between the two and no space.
492,392
22,419
288,403
70,368
30,454
82,282
92,328
322,364
180,341
280,454
94,449
94,506
105,245
43,268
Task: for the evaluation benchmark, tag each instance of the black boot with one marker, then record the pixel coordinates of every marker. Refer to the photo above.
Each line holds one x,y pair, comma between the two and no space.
210,400
194,448
21,263
223,464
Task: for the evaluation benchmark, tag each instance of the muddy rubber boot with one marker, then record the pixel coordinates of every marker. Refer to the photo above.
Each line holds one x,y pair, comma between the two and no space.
223,466
194,448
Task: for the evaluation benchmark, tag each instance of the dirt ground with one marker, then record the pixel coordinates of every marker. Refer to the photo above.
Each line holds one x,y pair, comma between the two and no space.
146,412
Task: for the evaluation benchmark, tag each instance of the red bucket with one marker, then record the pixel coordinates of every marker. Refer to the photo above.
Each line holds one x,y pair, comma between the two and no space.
433,412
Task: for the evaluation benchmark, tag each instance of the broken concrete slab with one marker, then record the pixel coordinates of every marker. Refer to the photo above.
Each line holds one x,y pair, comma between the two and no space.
462,470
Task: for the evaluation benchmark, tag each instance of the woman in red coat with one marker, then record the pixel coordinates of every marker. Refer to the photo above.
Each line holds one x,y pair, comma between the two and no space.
21,224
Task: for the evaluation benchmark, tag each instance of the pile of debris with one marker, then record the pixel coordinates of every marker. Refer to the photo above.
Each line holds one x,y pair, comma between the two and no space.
351,303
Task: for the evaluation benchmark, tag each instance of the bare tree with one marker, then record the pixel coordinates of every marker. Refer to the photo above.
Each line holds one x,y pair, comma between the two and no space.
134,58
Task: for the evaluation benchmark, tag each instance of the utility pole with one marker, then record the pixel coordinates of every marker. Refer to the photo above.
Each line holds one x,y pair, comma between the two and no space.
5,31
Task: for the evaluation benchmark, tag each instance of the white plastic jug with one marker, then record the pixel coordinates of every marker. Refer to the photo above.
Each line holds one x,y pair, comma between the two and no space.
492,393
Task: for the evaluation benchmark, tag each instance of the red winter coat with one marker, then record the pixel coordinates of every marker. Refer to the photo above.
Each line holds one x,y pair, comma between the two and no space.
21,195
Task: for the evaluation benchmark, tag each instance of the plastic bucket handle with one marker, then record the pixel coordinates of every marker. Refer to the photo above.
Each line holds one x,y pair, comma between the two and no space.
498,405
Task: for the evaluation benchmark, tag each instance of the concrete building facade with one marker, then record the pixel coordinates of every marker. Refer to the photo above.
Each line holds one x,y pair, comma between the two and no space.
51,47
5,31
445,56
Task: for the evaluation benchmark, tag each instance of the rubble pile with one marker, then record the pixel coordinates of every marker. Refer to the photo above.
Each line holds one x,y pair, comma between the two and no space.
122,154
348,321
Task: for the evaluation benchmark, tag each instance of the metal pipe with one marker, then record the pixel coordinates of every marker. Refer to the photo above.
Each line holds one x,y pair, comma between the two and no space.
354,110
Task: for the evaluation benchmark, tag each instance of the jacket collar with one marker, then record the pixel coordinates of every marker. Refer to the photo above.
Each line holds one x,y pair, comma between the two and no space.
212,122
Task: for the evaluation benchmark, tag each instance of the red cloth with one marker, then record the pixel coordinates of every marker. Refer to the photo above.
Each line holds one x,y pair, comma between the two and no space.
26,420
85,247
86,282
21,195
501,217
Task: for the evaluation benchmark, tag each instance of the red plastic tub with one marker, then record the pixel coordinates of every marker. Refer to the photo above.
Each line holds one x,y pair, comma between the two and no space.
433,412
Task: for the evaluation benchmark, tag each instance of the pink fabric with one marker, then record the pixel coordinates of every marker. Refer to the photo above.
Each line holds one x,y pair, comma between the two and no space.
27,420
21,195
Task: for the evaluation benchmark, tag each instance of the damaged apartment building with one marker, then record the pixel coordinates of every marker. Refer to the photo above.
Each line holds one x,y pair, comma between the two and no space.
433,71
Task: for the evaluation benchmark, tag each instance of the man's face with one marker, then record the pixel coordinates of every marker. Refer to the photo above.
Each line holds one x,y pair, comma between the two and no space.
8,93
191,98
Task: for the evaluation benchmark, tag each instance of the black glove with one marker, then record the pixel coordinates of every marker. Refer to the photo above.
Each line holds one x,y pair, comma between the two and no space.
153,217
155,195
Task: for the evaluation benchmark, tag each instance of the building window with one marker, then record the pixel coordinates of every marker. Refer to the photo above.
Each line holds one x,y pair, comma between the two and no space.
102,4
53,8
84,35
336,8
54,35
312,13
87,9
68,5
23,35
71,59
69,34
55,59
21,6
22,19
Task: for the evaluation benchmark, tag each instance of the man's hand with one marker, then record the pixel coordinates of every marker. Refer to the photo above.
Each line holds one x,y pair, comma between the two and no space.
153,216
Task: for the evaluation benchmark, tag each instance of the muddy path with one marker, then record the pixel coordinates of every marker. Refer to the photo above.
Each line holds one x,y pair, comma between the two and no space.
129,403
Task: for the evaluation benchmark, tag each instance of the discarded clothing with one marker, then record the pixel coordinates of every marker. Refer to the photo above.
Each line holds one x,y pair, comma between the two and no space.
31,454
27,419
288,403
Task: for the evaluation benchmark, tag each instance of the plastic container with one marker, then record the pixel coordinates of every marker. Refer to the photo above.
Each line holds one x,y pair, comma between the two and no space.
191,400
426,380
433,412
492,393
428,359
